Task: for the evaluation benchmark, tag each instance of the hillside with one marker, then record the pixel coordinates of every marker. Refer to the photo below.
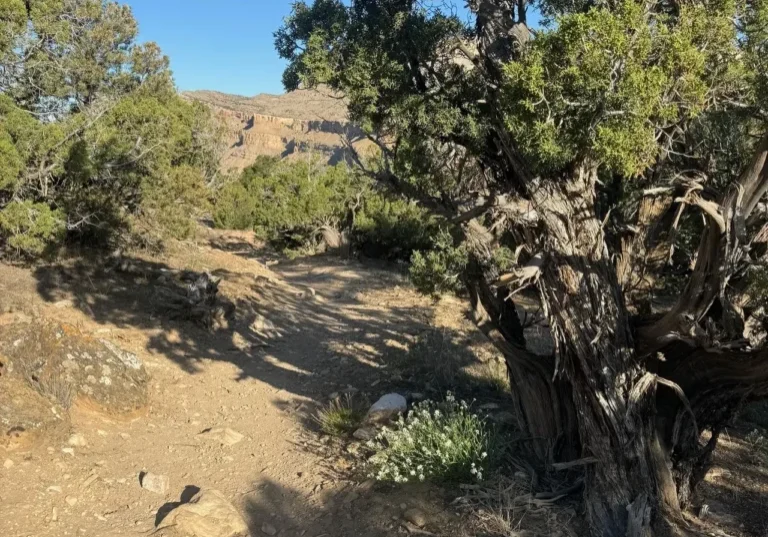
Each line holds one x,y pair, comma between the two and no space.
296,124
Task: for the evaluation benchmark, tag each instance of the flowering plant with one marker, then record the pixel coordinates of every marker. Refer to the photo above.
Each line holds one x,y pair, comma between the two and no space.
444,441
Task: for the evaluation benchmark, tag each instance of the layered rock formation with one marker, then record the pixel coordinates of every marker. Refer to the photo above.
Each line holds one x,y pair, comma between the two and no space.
300,124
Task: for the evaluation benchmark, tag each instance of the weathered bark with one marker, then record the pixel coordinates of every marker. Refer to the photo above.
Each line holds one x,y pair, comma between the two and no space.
722,247
542,403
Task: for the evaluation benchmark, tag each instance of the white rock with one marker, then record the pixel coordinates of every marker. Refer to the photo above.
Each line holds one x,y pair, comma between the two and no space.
208,514
158,484
226,437
77,440
71,501
386,409
8,464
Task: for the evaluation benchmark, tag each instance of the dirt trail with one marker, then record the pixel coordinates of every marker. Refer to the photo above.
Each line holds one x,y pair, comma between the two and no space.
303,330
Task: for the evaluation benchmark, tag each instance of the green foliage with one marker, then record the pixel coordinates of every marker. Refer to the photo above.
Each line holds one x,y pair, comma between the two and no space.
435,442
286,202
601,83
91,125
28,228
236,207
10,162
169,203
439,270
392,228
342,417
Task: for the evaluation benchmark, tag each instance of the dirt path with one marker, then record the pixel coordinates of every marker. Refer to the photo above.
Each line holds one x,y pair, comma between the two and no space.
303,331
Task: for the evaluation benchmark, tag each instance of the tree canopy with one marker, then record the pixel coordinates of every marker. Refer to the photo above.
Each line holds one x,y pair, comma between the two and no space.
596,149
93,135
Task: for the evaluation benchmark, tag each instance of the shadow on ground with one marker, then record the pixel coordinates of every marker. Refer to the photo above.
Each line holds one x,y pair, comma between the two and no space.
308,332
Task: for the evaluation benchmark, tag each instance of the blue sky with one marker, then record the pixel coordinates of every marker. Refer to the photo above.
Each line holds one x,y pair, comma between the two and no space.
223,45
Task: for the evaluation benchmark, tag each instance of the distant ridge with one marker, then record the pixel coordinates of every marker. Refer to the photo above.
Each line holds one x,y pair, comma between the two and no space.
292,125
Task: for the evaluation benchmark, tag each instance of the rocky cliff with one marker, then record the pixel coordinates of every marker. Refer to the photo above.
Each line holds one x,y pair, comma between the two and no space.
300,124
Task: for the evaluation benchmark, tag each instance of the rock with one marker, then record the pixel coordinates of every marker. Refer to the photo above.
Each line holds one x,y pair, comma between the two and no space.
158,484
226,437
77,440
8,464
268,529
54,489
74,369
416,517
386,409
365,433
26,416
71,501
208,514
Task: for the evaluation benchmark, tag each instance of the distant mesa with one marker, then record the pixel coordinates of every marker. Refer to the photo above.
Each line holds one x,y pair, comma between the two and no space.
291,126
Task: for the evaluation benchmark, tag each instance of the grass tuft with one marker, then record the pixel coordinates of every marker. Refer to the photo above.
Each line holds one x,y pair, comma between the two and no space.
342,417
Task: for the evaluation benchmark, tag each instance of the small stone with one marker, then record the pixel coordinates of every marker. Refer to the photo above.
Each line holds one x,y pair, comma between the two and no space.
365,433
158,484
54,515
8,464
351,497
71,501
386,409
226,437
54,489
68,451
416,517
268,529
77,440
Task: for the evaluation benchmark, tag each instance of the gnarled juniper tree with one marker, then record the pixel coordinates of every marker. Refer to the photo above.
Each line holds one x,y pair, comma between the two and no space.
592,147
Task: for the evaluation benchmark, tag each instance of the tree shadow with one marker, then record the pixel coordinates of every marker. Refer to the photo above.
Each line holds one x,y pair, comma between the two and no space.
349,511
309,333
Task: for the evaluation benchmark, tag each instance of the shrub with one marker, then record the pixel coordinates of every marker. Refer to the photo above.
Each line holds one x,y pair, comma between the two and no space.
29,228
169,203
438,270
235,208
392,229
341,417
436,441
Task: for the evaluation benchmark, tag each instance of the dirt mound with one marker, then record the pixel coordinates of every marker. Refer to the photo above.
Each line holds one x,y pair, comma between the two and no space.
49,368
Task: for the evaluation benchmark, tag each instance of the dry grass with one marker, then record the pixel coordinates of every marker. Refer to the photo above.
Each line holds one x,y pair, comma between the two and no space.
51,385
508,507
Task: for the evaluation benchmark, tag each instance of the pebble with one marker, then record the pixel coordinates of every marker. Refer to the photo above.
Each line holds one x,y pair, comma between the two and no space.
68,451
77,440
54,489
268,529
159,484
416,517
71,501
8,464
